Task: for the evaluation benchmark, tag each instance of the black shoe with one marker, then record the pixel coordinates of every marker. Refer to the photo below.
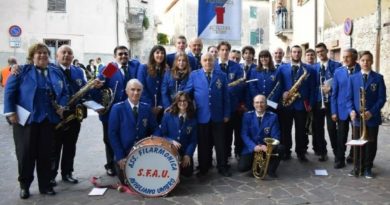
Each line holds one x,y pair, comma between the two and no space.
49,191
368,174
349,159
24,193
69,178
110,172
302,158
323,158
339,165
225,172
273,175
53,183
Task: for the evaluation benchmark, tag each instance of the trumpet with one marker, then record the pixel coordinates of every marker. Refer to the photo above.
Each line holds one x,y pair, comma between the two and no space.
322,79
261,159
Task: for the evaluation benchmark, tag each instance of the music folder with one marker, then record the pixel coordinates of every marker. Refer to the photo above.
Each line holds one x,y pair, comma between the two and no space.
93,105
357,142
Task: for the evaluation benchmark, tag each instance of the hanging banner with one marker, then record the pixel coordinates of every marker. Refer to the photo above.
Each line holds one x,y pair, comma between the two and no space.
219,19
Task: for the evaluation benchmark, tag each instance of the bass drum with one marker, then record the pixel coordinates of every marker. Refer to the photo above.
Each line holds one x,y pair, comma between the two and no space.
152,167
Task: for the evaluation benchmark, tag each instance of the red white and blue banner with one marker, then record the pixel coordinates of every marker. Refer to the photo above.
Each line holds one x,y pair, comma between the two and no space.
219,19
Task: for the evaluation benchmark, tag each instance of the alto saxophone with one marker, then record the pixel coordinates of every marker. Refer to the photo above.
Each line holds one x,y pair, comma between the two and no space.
293,93
261,159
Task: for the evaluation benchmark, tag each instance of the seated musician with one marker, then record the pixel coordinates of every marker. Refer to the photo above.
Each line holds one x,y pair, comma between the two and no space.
179,126
129,122
257,125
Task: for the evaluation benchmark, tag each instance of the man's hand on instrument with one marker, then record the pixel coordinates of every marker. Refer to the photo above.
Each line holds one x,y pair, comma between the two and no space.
368,115
285,95
186,161
60,112
122,163
225,119
156,110
15,69
325,89
334,118
352,115
98,83
13,118
176,144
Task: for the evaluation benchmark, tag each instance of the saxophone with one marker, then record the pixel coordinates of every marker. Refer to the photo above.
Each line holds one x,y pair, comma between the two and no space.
363,127
293,93
236,82
261,159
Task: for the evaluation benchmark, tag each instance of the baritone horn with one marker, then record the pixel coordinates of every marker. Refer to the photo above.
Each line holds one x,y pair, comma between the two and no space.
261,159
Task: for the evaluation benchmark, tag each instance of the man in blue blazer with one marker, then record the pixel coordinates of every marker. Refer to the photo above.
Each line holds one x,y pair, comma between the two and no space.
196,46
374,88
324,72
278,57
127,69
338,102
181,45
234,72
257,125
297,111
130,121
209,88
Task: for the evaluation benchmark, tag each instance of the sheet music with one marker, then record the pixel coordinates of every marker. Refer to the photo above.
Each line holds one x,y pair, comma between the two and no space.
97,192
357,142
93,105
23,114
272,104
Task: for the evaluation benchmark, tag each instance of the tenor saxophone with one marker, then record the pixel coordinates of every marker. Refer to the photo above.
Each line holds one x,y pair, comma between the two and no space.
293,93
261,159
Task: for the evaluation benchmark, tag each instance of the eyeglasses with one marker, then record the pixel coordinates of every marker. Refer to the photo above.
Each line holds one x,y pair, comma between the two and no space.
123,54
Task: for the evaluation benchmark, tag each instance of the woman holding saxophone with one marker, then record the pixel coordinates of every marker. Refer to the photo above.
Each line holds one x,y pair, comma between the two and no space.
365,99
256,126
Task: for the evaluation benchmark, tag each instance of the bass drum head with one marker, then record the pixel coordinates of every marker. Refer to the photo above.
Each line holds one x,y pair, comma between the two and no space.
152,170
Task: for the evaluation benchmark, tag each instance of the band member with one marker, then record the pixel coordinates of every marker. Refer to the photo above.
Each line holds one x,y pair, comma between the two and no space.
257,125
179,125
339,102
39,88
175,79
213,50
375,98
151,76
196,46
234,72
235,55
130,121
296,75
127,69
310,56
268,80
65,138
248,55
181,45
278,57
210,90
324,69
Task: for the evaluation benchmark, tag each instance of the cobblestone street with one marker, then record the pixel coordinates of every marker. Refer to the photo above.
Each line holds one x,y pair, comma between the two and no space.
296,184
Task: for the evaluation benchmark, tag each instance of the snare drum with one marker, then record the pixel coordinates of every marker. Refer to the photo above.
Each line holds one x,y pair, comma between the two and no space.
152,167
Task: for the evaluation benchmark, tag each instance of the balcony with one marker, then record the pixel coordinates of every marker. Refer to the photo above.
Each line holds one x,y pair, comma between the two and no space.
283,24
134,26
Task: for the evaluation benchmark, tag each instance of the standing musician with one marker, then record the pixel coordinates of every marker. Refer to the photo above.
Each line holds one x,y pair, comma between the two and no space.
248,55
130,121
268,79
210,90
181,45
127,69
278,57
374,99
66,136
179,126
324,69
340,114
257,125
39,89
175,79
297,82
151,76
196,46
234,73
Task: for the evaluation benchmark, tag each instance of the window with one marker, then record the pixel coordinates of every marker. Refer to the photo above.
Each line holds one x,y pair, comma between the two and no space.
56,5
54,44
256,36
253,12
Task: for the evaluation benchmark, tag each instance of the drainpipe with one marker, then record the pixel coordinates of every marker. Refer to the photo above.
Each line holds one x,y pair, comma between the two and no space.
315,21
378,36
117,22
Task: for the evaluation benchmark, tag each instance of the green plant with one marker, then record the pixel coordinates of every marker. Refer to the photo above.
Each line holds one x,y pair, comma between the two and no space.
162,39
145,22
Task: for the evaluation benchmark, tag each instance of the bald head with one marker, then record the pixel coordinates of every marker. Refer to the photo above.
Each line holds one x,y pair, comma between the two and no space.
278,55
207,62
64,55
260,103
196,46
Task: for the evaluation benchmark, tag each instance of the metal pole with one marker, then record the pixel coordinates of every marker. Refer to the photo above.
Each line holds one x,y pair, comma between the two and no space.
117,22
315,21
378,36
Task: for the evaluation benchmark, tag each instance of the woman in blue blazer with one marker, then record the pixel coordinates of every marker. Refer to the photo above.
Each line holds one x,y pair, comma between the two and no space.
175,80
151,76
179,126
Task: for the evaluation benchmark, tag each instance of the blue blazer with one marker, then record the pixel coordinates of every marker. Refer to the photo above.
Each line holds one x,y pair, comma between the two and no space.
340,91
21,90
124,130
191,59
306,90
329,73
170,87
185,135
152,86
77,80
252,134
198,64
212,101
375,96
117,82
236,93
266,82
